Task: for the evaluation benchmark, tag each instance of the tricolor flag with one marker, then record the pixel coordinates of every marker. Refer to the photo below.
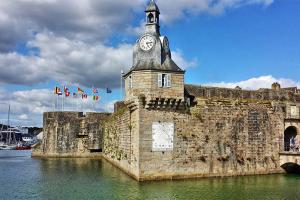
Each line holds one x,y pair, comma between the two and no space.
66,90
80,91
57,91
96,98
95,91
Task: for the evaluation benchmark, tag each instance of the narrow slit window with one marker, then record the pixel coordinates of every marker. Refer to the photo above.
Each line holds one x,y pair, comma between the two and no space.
130,82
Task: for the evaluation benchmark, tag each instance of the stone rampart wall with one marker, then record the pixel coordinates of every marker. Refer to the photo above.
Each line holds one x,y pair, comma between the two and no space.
218,137
261,94
121,140
71,134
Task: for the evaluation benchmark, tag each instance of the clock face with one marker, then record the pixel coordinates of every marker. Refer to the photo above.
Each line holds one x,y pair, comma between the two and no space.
147,42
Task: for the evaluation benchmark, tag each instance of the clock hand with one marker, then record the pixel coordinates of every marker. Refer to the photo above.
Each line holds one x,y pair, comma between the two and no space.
149,43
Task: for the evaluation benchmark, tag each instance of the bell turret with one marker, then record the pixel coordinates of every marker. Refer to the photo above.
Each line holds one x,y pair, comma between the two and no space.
152,18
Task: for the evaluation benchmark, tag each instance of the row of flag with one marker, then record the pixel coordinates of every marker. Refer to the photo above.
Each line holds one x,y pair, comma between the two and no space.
67,93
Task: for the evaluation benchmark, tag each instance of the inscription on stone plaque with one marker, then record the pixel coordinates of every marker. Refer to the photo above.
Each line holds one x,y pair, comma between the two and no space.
162,136
294,111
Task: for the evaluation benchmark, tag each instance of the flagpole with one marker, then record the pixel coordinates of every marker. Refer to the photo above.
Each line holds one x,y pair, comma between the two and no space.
56,106
122,73
53,101
106,95
76,101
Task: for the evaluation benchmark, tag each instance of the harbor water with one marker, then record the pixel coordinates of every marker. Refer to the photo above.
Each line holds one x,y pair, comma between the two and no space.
23,177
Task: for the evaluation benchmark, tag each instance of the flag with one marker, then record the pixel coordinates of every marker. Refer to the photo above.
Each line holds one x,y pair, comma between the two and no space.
66,90
57,91
74,95
95,91
84,96
108,90
96,98
80,91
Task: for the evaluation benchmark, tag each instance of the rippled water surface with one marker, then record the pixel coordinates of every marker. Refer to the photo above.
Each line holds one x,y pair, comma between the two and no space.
23,177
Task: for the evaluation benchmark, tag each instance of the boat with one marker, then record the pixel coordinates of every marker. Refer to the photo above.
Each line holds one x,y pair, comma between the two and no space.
8,137
7,147
21,148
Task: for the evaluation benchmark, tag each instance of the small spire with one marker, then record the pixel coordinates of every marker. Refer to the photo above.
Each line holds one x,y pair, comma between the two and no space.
152,7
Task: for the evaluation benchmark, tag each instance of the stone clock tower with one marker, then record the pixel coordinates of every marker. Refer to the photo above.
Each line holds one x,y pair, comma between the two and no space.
154,74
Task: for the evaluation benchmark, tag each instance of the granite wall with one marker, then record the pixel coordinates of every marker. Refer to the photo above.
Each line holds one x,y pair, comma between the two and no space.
71,134
217,132
145,83
121,139
216,137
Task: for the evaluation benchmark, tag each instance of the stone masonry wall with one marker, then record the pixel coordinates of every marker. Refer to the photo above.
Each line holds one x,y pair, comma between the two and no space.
217,137
121,143
145,83
71,134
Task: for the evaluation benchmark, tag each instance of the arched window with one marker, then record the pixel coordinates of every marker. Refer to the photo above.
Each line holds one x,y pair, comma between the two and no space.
150,18
290,138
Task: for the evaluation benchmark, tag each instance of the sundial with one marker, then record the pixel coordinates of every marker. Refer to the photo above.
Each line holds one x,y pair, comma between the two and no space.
162,136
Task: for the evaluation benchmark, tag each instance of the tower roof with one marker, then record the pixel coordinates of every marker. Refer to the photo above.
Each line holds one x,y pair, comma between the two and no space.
152,7
168,66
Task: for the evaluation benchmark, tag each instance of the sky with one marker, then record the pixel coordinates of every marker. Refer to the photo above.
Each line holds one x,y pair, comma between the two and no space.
86,43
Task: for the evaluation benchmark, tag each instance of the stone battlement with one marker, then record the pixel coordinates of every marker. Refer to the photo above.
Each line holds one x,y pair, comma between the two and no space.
285,94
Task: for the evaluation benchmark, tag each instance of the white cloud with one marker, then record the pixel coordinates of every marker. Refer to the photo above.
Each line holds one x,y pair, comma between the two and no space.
257,83
71,61
28,106
66,60
85,20
177,9
23,117
95,21
179,59
109,107
68,40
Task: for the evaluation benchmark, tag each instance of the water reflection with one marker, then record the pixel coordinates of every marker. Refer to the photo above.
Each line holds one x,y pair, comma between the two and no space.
27,178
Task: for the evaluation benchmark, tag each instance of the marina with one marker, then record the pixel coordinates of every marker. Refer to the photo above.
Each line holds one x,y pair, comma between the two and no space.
16,138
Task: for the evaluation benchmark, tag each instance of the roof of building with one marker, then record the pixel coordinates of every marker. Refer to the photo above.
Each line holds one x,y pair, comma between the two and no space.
152,7
168,65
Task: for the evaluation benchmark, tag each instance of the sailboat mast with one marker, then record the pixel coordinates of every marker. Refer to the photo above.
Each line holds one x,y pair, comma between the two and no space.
8,125
1,135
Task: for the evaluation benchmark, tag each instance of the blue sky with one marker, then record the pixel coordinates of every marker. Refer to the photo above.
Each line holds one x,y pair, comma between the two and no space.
250,43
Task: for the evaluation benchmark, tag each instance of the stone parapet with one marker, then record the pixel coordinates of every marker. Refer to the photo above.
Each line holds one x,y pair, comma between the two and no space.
261,94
